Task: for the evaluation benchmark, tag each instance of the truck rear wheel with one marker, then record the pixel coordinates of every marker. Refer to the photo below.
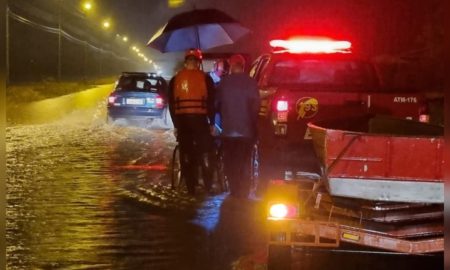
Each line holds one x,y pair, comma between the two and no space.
279,257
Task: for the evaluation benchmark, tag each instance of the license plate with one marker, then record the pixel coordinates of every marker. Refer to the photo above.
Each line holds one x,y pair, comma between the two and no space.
135,101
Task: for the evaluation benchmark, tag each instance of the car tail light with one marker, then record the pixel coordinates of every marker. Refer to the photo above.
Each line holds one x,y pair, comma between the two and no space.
282,106
278,211
159,101
112,99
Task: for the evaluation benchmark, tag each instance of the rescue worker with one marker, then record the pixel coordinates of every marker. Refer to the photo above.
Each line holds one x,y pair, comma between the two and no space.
237,101
191,105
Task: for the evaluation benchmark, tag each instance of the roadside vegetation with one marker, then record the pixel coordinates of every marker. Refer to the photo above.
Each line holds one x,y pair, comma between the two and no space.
29,92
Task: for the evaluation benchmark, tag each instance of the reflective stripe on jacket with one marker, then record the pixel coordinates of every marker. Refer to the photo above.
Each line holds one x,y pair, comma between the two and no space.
190,92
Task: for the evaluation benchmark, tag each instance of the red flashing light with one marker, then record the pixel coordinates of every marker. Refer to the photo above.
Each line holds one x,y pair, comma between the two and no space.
312,45
282,106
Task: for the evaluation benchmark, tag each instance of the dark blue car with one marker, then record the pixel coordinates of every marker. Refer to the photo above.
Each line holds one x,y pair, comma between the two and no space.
138,96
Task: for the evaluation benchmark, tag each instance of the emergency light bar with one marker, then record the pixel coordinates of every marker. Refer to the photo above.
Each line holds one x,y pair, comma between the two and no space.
312,45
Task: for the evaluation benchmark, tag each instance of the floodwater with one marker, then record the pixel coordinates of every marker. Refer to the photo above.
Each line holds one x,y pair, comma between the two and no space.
82,194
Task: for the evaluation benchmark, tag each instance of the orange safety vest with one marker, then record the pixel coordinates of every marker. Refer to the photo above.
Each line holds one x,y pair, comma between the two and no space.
190,92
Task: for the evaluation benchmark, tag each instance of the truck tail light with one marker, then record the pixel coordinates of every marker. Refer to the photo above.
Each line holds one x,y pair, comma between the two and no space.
279,211
281,110
282,106
425,118
424,115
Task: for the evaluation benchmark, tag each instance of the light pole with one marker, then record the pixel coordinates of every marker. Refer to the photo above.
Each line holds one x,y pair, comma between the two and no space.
7,45
59,40
101,60
87,7
106,24
85,47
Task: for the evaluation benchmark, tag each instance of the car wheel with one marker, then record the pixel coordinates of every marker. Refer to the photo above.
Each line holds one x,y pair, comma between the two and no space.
255,188
279,257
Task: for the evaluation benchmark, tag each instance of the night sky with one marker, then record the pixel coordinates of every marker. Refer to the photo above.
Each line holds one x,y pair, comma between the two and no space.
379,26
410,29
375,27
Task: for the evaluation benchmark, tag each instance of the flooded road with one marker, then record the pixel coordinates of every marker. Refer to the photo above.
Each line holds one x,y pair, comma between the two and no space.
82,194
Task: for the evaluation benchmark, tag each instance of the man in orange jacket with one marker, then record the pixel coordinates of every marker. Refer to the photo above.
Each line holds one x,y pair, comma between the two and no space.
191,105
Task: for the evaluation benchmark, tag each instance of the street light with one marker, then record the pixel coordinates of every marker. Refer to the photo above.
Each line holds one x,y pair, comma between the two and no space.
106,24
125,39
87,6
134,48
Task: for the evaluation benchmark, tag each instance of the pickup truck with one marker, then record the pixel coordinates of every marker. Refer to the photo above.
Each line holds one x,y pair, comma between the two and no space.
340,185
305,80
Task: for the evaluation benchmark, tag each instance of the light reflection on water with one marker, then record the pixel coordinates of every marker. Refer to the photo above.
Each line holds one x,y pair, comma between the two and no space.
70,206
85,195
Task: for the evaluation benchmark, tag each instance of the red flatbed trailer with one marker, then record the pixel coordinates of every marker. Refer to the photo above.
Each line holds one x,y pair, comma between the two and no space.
383,215
382,159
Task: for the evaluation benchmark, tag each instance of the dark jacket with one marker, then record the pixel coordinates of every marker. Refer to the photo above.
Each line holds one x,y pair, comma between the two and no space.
237,101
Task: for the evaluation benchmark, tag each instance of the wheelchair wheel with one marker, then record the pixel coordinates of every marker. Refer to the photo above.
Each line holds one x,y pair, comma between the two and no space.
220,172
254,170
176,177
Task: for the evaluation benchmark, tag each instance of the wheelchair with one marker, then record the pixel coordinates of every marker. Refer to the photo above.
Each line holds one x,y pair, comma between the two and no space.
219,180
219,177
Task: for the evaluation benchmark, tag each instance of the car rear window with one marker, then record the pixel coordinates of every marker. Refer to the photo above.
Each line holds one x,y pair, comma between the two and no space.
322,72
139,84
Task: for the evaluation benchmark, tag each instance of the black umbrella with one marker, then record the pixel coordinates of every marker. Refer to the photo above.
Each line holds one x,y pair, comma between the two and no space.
201,28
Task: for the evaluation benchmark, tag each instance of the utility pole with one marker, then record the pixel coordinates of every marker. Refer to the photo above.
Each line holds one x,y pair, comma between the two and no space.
59,40
85,46
85,61
7,45
101,60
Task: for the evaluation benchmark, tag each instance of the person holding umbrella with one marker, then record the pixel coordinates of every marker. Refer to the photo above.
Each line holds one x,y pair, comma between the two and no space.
191,106
237,101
